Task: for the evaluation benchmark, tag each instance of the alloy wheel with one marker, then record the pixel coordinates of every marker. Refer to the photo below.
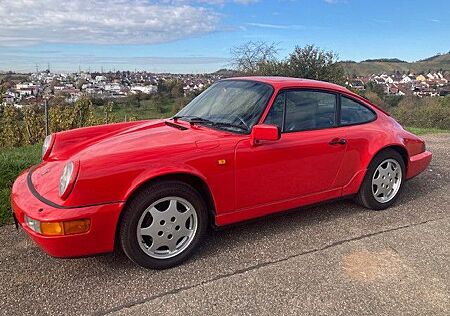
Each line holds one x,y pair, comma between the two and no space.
167,227
386,180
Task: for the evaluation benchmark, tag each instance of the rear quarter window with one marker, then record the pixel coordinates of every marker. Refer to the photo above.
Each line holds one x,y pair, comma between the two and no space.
353,112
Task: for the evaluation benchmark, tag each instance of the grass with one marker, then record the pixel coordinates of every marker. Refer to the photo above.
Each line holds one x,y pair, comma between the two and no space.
422,131
145,111
12,162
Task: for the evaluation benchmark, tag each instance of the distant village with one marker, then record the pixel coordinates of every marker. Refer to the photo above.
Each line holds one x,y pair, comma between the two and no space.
432,84
37,87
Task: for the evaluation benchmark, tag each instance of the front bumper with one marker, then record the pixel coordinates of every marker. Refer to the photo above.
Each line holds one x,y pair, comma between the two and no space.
418,163
99,239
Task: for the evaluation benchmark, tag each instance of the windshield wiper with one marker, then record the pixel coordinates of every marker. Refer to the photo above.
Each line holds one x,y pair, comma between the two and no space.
192,119
227,124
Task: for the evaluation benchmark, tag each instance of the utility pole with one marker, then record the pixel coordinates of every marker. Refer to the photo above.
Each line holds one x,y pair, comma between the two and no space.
46,117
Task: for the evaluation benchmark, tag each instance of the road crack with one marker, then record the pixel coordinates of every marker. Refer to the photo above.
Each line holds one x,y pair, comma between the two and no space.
264,264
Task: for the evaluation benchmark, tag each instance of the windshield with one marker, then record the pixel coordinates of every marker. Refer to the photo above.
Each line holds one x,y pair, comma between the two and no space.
234,105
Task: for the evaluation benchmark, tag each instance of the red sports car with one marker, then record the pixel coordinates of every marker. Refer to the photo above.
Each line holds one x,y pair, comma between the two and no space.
244,148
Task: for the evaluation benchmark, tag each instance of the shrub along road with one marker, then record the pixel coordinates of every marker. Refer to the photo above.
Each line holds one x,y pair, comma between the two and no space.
335,258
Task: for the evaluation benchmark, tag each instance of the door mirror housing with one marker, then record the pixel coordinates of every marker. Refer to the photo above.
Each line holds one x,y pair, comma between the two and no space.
264,132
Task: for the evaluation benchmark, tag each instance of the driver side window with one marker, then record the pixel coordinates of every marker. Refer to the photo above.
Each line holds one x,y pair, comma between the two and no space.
305,110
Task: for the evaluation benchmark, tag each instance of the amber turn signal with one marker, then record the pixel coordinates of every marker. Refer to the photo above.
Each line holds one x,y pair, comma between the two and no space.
52,228
78,226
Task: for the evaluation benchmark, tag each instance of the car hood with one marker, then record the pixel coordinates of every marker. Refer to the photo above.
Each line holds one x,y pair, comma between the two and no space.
155,136
123,148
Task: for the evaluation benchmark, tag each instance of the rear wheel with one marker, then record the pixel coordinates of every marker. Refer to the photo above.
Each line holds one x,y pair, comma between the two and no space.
163,224
383,180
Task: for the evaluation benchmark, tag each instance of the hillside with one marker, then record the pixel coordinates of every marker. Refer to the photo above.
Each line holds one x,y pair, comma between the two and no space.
376,66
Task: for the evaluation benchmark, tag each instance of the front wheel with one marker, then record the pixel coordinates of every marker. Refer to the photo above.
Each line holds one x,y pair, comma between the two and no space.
162,224
383,181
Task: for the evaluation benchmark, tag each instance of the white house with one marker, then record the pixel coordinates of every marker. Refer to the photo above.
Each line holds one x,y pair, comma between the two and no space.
406,79
144,89
100,78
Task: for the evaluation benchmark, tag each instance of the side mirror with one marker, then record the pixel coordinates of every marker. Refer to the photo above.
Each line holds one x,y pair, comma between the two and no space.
264,132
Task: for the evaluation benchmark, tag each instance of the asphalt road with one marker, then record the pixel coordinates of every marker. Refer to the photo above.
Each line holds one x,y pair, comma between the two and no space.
331,259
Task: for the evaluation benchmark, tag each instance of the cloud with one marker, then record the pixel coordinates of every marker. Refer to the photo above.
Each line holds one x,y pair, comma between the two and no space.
105,60
104,21
277,26
212,2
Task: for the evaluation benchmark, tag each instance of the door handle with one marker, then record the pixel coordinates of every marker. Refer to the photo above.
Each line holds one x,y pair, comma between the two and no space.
338,141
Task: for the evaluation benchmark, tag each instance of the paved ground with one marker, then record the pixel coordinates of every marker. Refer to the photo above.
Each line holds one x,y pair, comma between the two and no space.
335,258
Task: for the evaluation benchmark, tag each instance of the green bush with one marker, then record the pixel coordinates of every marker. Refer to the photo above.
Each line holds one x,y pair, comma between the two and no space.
432,112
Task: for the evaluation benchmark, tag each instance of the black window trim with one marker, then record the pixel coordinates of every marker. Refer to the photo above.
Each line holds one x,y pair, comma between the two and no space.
375,116
285,90
338,96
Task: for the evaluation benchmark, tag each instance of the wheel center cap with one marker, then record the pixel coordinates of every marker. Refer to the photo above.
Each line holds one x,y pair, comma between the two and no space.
169,228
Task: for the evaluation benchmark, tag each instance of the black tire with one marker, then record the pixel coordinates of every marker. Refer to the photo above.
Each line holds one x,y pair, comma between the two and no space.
140,202
365,196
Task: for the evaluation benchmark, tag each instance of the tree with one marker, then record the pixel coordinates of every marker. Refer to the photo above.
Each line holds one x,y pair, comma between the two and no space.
376,88
2,92
177,90
107,109
11,130
313,63
158,103
310,62
138,97
80,83
254,57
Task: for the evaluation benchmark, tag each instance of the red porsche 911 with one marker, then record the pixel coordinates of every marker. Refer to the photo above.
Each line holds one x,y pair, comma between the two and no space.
244,148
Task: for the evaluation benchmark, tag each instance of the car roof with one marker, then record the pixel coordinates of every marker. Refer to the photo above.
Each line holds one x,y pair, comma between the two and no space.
288,82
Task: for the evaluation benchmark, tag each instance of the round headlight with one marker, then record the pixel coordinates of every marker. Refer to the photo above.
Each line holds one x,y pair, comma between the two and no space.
46,147
65,179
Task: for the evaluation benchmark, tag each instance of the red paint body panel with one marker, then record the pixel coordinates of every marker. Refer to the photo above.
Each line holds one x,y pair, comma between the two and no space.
253,179
99,238
418,163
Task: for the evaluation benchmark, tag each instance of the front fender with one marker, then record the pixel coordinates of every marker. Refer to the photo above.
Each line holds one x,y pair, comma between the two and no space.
163,171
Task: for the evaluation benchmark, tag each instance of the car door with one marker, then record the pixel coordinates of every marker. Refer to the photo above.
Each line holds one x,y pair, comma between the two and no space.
355,118
304,161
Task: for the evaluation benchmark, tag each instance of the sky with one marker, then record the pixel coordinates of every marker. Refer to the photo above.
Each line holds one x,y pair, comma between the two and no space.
196,36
